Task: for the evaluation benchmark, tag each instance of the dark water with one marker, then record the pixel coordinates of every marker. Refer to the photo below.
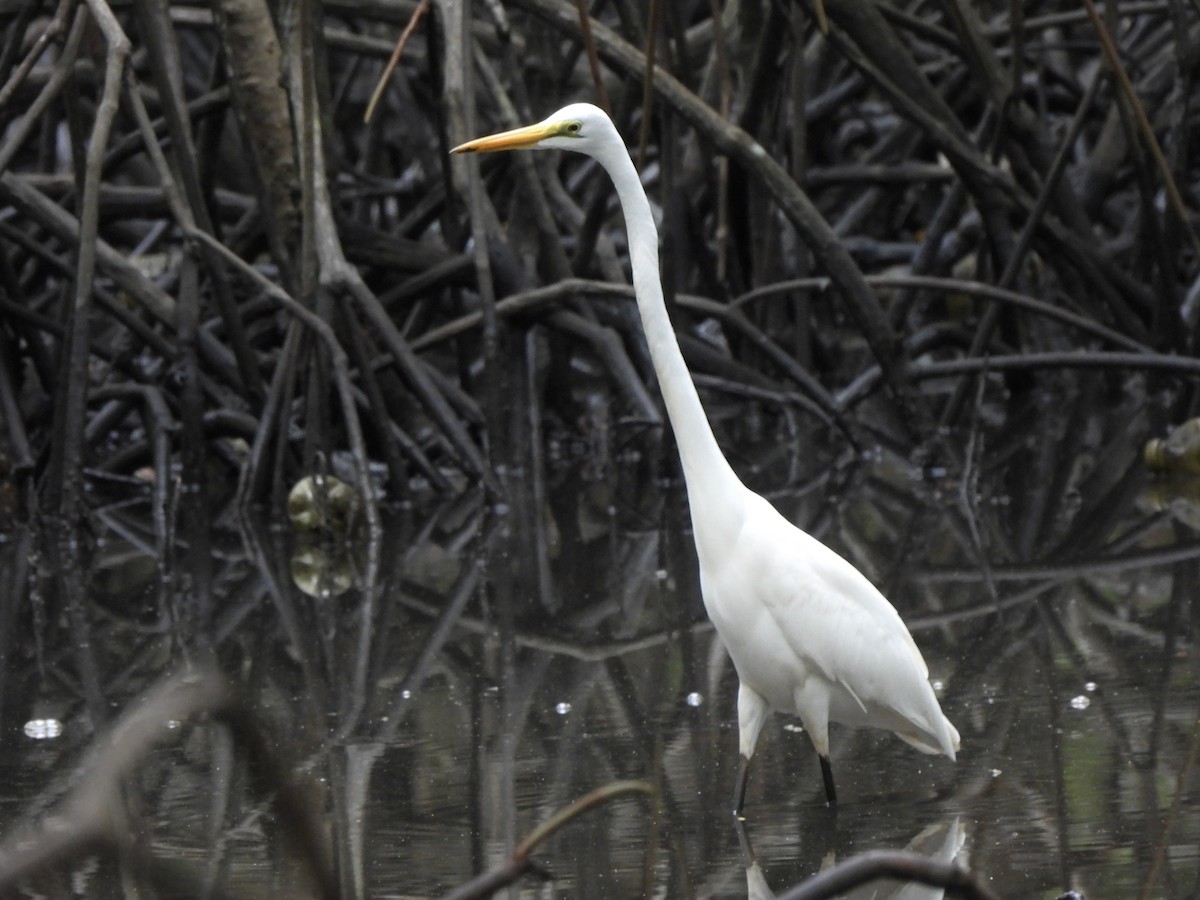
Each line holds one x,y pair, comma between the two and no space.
481,683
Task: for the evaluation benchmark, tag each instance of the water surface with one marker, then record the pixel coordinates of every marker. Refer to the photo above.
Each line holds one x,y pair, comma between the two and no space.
504,664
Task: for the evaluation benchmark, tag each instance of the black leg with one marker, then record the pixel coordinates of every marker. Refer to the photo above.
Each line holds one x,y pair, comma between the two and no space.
748,858
739,786
827,774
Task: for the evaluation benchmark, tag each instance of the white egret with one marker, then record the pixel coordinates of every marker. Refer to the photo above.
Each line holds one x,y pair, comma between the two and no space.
807,632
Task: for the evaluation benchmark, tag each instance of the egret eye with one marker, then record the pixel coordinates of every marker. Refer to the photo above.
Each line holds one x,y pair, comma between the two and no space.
574,127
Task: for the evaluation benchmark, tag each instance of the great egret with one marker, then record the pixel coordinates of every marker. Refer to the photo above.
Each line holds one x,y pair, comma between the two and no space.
807,632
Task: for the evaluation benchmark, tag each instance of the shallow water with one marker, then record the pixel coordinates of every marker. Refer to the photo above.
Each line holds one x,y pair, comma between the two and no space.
441,715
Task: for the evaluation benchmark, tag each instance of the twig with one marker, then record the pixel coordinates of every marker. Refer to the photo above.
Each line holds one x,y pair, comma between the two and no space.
1184,366
1012,268
971,289
62,71
397,52
127,276
160,425
520,863
341,368
165,63
589,46
11,411
67,477
17,133
1139,111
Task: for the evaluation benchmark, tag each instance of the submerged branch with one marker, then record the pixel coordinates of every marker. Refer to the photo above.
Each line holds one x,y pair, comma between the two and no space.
520,863
876,864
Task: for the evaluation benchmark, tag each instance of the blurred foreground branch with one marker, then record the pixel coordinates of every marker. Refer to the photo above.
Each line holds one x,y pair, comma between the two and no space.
92,818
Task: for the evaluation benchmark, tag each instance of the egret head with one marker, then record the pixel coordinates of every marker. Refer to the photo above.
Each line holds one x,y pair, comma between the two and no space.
580,127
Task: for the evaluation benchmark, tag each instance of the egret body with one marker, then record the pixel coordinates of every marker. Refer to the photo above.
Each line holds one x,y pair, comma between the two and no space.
807,632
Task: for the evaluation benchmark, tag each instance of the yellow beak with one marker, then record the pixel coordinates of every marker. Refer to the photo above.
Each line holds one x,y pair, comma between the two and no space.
517,139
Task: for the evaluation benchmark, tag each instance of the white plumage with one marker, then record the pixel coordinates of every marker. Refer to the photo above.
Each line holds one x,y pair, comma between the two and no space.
808,634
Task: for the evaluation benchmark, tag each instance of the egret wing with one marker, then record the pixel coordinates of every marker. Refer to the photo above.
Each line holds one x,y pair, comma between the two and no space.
839,625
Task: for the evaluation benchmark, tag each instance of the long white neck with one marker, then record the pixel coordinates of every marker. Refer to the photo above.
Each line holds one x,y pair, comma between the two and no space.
711,482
